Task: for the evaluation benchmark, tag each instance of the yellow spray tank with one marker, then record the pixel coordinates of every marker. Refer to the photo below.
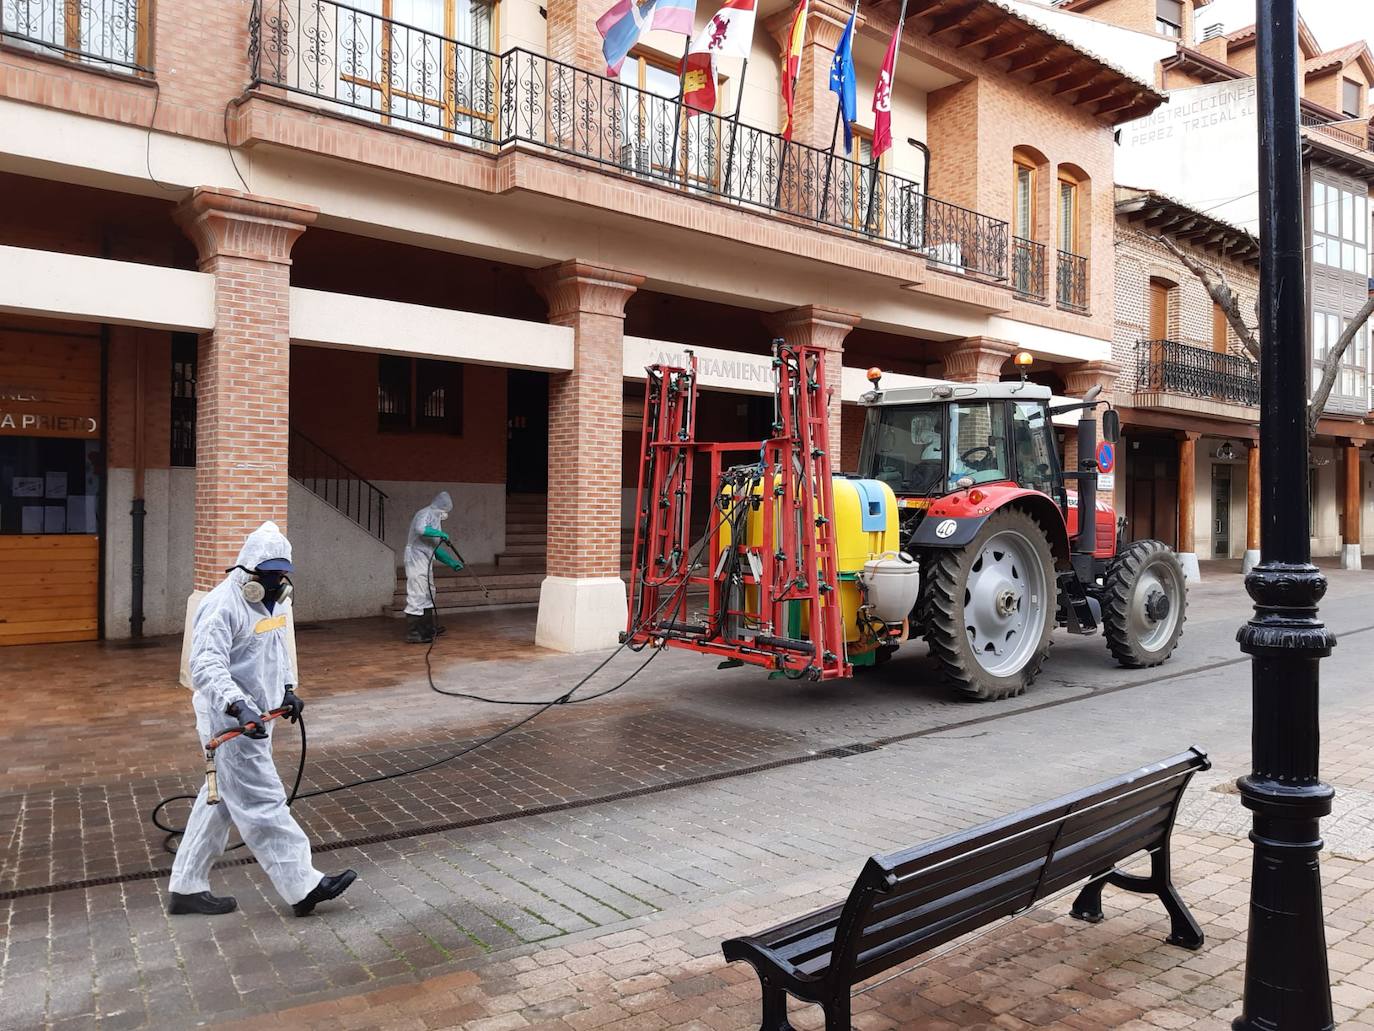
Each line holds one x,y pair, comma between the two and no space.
867,541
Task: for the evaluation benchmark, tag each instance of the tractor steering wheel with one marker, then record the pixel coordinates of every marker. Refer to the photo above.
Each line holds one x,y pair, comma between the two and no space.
986,456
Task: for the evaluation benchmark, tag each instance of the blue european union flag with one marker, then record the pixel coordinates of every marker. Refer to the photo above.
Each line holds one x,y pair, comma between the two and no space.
843,83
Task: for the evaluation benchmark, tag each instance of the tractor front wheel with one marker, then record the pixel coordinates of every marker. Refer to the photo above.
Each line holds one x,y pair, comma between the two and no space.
1144,602
988,607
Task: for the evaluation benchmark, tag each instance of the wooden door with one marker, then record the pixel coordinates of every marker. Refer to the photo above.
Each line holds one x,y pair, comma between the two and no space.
1219,329
1159,310
50,590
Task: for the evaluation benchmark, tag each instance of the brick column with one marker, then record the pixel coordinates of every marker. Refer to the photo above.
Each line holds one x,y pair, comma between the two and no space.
978,360
242,419
825,328
1187,497
582,600
1252,509
572,35
1078,380
813,113
1350,550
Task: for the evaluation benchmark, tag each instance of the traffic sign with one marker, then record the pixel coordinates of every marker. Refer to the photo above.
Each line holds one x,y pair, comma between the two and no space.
1106,457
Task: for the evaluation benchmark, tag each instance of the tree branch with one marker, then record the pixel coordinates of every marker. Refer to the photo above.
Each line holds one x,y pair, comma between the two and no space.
1220,291
1317,405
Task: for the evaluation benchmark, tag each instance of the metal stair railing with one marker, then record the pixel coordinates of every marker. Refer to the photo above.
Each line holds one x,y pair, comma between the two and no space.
337,485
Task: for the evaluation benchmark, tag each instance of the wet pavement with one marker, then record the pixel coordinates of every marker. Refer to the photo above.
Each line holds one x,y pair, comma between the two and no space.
686,786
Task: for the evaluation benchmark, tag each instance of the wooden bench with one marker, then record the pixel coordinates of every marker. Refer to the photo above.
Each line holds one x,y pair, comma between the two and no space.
915,900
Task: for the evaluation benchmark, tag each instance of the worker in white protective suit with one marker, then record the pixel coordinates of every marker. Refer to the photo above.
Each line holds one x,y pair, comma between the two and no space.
425,543
241,667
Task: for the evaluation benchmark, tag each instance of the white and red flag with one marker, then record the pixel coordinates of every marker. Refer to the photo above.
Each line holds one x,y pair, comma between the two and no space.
729,33
882,99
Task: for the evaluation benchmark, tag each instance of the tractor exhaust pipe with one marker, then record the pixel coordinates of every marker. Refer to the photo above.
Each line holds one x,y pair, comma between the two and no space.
1086,540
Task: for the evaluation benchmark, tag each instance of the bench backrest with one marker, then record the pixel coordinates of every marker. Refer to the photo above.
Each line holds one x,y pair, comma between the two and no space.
911,901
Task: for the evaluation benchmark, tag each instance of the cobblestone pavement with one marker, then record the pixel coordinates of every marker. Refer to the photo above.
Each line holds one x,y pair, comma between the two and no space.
611,913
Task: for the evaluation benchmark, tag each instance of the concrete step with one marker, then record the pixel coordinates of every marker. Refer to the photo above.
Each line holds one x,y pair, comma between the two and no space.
540,526
532,548
535,561
537,537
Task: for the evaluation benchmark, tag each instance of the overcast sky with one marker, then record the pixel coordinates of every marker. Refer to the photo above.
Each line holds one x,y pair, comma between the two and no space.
1333,22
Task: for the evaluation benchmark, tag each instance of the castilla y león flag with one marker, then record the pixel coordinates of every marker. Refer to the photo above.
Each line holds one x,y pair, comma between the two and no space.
882,99
796,41
729,33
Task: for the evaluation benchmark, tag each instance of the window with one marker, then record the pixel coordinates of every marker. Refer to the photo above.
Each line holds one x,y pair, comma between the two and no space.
1035,458
1340,228
977,443
419,394
1352,98
184,399
904,446
1169,18
1023,216
397,58
1220,329
112,32
648,104
1068,216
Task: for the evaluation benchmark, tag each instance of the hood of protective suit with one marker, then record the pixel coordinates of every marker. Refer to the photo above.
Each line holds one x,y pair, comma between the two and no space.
266,542
442,502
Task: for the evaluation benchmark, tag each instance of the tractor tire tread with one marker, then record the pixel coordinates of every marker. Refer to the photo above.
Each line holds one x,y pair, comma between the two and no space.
1116,601
939,610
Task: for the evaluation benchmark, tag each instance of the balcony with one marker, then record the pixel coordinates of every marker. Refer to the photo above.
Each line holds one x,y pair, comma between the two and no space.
1352,132
1167,370
109,34
1028,269
1072,282
383,70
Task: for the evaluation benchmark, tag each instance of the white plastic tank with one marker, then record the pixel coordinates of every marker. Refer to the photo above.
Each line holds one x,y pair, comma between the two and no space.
891,583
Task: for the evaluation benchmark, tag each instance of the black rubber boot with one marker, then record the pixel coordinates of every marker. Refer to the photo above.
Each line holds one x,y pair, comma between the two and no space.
202,903
330,887
432,623
415,630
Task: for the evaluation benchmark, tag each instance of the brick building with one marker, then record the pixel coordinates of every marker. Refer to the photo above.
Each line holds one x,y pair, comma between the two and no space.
314,262
1185,156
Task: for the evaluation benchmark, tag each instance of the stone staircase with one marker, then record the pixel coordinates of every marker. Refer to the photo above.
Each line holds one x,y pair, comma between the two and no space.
518,571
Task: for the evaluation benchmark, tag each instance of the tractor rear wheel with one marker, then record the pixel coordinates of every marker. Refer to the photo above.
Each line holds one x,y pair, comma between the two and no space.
988,608
1144,603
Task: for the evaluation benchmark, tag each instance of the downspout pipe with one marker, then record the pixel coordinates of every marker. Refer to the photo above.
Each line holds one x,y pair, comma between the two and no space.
138,509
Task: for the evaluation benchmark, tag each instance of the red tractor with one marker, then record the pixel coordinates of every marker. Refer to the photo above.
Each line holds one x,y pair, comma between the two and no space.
991,517
960,528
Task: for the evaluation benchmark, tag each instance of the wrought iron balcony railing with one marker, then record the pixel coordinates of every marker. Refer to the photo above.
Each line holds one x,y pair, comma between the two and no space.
382,69
107,33
1072,280
1169,367
1028,268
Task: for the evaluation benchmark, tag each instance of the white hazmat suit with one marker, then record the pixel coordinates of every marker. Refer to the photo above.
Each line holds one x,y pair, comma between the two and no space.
420,554
239,653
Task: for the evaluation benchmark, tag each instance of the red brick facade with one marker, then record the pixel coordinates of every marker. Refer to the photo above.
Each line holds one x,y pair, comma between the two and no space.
244,370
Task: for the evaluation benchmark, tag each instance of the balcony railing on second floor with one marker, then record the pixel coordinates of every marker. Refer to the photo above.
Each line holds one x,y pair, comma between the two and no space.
1170,367
1028,268
382,69
105,33
1072,282
1353,132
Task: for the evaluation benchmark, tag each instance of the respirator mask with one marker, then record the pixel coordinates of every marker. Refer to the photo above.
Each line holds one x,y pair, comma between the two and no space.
264,585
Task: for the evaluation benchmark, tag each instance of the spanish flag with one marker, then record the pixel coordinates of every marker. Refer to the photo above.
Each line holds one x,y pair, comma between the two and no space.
796,40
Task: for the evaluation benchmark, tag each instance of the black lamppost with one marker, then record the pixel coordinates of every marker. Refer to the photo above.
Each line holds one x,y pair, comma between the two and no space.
1286,982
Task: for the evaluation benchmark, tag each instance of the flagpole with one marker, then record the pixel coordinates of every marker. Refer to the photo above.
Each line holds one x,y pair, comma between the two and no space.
891,88
680,111
734,128
835,132
787,140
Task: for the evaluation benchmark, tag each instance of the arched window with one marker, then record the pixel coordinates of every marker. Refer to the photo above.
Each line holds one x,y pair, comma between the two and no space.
1029,169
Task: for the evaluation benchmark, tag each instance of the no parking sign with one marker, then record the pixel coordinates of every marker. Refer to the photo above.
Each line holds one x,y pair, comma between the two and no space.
1106,463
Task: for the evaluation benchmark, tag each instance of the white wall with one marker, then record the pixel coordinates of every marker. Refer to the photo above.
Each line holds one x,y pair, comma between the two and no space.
477,524
342,571
1181,148
168,549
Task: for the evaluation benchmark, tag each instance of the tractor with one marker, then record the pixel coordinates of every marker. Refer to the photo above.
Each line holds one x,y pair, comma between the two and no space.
959,527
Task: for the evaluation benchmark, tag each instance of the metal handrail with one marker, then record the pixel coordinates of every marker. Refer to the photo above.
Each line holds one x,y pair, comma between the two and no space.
1333,129
1028,268
1171,367
108,32
1072,282
336,483
382,68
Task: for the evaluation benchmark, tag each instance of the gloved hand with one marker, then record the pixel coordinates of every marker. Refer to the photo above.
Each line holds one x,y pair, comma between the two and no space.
443,556
246,715
290,701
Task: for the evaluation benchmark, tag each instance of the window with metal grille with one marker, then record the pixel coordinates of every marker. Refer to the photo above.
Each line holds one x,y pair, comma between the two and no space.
183,399
1169,18
419,394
